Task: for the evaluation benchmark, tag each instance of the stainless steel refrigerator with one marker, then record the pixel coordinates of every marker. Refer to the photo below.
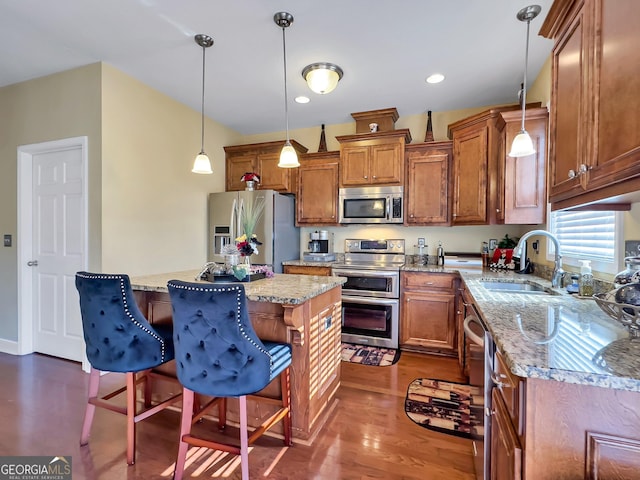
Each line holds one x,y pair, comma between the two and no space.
276,228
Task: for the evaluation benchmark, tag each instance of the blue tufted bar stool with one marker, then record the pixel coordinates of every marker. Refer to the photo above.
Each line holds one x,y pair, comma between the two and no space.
120,339
218,354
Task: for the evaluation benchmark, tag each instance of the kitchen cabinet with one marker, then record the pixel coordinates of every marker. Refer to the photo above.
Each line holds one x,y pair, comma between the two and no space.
320,270
317,196
427,312
373,158
594,135
261,158
427,196
481,165
521,186
506,453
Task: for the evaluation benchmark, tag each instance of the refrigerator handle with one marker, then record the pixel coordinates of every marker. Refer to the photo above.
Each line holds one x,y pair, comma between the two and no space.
233,220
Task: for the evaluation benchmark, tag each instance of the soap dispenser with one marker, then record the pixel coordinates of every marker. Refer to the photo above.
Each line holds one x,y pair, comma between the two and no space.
440,254
585,283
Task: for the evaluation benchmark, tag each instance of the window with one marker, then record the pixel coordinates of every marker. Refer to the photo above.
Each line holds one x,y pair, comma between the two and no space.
588,235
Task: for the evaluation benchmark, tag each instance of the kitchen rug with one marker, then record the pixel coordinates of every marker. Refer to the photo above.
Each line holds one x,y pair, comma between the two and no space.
369,355
447,407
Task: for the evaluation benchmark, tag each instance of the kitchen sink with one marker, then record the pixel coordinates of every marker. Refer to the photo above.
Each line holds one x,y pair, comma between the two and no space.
515,287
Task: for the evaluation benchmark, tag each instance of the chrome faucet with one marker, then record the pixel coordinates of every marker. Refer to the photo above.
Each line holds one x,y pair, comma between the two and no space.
558,272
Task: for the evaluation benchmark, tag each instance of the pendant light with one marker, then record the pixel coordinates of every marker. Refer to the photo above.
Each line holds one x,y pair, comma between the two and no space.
522,145
288,155
202,164
322,77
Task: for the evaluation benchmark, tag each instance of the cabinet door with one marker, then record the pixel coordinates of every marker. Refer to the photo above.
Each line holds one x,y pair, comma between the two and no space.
524,182
616,155
569,120
273,177
317,201
427,192
236,167
386,164
506,454
428,321
470,176
355,165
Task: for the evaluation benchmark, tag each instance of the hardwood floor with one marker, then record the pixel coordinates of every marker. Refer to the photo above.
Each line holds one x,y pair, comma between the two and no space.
369,437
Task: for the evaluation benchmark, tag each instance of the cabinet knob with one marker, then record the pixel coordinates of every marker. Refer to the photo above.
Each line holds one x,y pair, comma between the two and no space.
572,173
375,176
365,177
497,210
411,215
583,169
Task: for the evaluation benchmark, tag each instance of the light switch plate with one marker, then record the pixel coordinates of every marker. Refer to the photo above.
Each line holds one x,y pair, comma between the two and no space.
7,240
632,248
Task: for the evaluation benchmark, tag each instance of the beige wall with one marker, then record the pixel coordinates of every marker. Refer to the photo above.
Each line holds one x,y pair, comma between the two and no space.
154,216
57,106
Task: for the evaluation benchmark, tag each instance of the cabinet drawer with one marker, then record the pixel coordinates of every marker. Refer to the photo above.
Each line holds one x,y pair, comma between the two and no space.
429,281
307,270
510,388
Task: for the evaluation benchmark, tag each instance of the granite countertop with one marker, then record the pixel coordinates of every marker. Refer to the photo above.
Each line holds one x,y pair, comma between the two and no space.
281,288
557,337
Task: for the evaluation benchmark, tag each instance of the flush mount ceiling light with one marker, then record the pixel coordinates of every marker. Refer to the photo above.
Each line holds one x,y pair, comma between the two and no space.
322,77
522,145
202,164
288,155
435,78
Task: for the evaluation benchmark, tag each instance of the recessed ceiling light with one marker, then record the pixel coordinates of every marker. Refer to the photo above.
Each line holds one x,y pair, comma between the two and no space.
435,78
302,99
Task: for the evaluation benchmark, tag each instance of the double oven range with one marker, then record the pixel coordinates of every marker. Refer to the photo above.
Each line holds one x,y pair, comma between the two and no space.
371,294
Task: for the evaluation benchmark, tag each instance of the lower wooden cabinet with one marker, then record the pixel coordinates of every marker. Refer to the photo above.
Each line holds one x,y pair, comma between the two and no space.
308,270
506,453
428,312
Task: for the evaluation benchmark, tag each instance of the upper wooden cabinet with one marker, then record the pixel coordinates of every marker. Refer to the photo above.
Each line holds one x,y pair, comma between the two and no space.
317,198
483,175
595,106
521,185
373,158
427,196
261,158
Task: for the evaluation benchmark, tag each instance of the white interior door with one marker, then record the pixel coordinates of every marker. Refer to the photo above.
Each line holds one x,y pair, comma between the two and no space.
57,247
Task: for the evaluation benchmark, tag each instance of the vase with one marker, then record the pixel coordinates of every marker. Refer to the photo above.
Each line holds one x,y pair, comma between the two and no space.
250,185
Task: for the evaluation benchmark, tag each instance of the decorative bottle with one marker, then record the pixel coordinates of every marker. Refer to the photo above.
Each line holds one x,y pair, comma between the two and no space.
429,135
323,141
440,254
585,283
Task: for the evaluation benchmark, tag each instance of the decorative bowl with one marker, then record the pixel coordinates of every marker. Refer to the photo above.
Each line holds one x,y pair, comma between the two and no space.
627,314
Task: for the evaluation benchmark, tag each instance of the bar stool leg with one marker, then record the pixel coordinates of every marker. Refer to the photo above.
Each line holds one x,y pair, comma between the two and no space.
131,418
185,429
244,438
94,384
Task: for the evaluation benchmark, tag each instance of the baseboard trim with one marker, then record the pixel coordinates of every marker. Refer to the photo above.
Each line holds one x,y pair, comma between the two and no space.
9,346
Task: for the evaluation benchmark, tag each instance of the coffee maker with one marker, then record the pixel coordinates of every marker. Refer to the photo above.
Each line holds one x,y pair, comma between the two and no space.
320,247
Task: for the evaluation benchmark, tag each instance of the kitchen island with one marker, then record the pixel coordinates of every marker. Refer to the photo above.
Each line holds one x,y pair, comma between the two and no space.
302,310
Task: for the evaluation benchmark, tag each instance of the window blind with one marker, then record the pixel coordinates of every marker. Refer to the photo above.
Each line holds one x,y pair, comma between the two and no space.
586,234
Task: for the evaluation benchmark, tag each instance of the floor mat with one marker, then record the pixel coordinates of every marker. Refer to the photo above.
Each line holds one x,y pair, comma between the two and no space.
369,355
447,407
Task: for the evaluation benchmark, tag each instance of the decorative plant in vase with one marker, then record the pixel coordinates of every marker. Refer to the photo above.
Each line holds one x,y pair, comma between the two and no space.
247,243
251,179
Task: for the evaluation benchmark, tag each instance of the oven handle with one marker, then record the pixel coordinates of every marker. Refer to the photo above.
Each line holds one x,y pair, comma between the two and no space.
474,337
370,300
338,272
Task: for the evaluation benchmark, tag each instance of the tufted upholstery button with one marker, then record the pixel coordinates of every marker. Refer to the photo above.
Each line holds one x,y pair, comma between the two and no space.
249,358
214,330
199,313
232,347
201,344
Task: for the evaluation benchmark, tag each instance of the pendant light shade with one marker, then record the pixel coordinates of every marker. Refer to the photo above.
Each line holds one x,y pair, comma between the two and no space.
322,77
202,164
522,145
288,155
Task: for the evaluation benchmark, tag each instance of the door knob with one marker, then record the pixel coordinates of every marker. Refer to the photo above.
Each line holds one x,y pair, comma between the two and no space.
32,263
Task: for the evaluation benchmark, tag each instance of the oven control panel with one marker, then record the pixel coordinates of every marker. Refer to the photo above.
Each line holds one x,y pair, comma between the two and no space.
374,246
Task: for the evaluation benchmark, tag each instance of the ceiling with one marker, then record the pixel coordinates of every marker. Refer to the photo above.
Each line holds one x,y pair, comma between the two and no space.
386,49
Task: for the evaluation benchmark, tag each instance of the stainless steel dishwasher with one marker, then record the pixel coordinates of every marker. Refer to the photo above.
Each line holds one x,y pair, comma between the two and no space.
479,354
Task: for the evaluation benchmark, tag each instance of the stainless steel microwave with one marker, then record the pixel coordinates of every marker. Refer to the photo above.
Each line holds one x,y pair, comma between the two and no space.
371,204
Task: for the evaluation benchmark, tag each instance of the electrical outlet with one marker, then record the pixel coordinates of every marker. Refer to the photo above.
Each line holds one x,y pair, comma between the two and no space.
7,240
421,242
